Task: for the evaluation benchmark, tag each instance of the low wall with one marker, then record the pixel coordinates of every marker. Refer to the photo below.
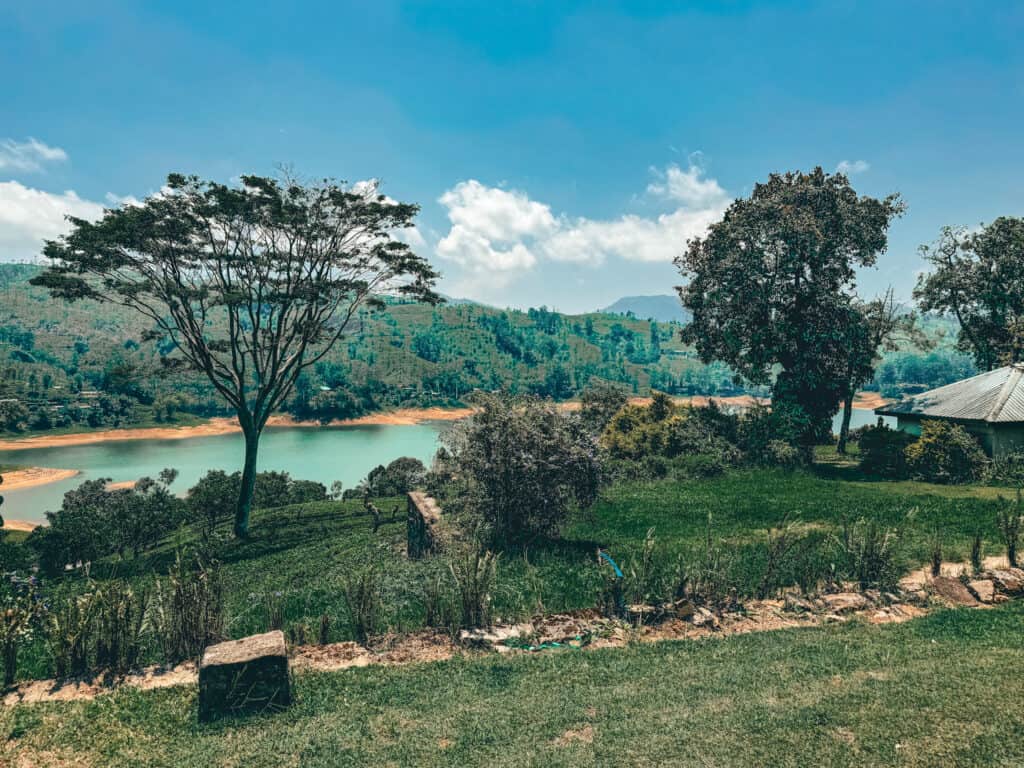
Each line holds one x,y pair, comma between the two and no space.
424,525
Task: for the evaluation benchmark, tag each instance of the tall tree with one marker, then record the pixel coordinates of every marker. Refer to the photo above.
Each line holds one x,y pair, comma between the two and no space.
978,277
772,284
880,325
251,284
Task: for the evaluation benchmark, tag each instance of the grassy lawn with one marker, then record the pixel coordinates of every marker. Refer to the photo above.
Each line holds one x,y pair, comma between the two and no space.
943,690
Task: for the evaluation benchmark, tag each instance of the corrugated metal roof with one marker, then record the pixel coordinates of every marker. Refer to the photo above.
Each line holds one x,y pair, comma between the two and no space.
994,396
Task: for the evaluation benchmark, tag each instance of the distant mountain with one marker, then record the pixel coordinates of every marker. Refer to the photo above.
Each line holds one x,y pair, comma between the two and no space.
664,309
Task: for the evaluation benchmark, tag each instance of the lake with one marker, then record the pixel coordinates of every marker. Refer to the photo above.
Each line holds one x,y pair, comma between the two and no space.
323,454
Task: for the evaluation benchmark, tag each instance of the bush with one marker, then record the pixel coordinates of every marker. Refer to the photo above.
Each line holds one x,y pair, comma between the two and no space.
598,405
21,616
883,451
1009,522
945,453
870,553
187,610
362,593
474,576
402,475
519,465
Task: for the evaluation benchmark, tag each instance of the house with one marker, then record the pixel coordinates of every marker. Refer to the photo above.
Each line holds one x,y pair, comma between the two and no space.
989,406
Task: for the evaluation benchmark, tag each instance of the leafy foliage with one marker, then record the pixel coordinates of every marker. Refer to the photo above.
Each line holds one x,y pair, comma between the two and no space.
945,453
519,465
283,266
771,285
978,276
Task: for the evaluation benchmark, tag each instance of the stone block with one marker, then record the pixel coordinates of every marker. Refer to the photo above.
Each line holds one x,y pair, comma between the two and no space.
247,675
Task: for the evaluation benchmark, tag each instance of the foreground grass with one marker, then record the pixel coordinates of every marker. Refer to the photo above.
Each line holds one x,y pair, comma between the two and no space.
943,690
298,558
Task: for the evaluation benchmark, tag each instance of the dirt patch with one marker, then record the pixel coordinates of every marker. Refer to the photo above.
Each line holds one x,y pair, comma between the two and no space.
584,735
33,476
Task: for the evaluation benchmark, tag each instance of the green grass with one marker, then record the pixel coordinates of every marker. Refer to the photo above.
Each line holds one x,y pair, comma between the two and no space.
943,690
298,558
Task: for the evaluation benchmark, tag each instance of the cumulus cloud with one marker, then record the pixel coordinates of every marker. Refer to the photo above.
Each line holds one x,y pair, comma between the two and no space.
850,167
28,156
30,216
498,233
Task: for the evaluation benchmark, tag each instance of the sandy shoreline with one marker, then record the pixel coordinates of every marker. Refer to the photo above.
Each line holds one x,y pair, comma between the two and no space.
400,417
226,426
20,525
30,477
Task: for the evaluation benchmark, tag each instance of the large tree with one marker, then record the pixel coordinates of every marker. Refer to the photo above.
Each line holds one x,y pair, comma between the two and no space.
772,286
978,277
251,284
876,326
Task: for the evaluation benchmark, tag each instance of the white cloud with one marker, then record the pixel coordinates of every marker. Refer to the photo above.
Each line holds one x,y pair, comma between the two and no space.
497,234
850,167
496,214
29,155
29,216
687,187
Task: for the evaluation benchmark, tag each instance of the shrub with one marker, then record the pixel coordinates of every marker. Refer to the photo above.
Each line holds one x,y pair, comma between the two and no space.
945,453
1009,522
120,614
474,575
21,617
397,478
71,634
598,405
362,593
870,553
883,451
187,610
520,464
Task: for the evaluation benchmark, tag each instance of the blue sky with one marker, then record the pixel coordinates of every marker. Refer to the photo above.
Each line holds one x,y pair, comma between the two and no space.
562,152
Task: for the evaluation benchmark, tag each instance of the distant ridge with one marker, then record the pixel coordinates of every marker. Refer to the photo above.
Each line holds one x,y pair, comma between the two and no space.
664,308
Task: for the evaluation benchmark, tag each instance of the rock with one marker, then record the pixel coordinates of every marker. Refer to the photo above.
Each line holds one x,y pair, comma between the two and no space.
683,609
1009,581
247,675
952,591
983,589
844,602
703,617
795,604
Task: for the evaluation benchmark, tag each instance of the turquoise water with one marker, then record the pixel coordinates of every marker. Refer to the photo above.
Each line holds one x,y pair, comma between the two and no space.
325,455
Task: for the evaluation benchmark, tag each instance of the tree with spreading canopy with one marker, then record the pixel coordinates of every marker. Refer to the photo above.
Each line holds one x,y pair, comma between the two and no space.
978,277
883,325
772,288
249,284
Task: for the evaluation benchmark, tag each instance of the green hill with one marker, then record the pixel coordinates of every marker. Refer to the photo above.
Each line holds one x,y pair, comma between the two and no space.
81,365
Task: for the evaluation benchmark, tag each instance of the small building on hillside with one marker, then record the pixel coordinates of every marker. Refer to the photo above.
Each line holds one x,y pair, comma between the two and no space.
989,406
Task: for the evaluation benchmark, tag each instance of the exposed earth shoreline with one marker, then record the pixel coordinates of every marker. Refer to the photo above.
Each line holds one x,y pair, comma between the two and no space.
34,476
399,417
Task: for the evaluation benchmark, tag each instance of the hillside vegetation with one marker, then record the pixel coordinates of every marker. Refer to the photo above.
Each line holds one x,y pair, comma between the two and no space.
83,365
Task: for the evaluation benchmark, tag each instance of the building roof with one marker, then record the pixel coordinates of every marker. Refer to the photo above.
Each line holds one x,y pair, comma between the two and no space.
995,397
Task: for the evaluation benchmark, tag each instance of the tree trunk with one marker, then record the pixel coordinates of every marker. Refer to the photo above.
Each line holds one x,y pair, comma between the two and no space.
248,484
844,430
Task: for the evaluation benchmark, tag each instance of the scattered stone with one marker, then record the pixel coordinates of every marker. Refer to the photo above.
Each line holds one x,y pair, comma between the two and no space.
983,589
495,636
1009,581
952,591
247,675
796,604
702,617
834,618
683,609
639,613
844,602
